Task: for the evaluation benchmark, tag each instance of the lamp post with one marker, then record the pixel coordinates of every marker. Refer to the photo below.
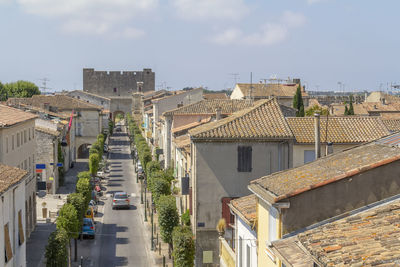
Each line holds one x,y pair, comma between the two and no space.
141,192
152,229
145,204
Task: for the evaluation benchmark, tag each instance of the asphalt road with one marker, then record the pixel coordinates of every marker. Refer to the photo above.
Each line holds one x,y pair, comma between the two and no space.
120,234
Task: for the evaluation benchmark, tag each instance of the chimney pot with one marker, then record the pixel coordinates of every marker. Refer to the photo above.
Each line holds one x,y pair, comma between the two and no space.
329,148
218,113
317,136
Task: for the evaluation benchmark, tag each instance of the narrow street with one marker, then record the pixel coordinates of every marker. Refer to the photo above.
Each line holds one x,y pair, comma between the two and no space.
120,234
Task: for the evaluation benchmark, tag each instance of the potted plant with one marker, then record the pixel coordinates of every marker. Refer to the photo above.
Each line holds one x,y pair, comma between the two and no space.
221,226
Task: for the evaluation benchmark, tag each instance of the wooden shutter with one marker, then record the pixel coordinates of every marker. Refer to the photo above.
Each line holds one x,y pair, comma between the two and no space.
248,157
240,158
20,228
244,158
226,213
7,243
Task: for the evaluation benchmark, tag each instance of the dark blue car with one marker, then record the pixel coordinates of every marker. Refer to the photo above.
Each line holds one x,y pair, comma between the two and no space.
88,228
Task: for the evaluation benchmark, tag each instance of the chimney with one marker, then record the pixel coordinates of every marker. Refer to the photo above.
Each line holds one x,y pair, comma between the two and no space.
329,148
46,106
365,97
218,113
317,137
383,101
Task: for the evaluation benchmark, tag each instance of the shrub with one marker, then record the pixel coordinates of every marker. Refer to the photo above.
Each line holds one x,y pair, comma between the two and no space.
94,161
85,174
168,217
152,166
79,202
68,220
184,249
83,186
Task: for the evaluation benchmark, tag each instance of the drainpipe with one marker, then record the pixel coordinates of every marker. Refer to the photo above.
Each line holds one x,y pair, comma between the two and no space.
317,136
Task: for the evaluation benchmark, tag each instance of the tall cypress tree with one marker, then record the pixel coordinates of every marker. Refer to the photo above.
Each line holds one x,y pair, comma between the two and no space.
351,109
346,110
298,103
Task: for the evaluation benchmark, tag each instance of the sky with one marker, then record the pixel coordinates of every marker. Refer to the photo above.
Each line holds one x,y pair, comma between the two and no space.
328,44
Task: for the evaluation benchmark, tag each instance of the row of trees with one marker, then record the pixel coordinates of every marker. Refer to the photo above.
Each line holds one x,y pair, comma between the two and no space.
18,89
178,236
70,219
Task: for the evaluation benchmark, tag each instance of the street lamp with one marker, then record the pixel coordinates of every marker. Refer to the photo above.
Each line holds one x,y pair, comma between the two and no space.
145,203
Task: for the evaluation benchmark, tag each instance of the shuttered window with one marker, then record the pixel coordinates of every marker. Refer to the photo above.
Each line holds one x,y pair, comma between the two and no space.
244,158
7,244
20,229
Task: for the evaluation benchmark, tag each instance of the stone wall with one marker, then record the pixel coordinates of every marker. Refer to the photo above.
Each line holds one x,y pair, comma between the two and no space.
117,83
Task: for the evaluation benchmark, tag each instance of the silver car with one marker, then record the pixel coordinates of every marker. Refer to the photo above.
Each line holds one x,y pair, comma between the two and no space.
121,200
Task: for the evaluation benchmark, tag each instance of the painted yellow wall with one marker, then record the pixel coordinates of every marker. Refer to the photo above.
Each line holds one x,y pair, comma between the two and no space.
298,152
262,236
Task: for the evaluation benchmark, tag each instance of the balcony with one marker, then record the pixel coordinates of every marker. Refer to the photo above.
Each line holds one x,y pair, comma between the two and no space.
226,254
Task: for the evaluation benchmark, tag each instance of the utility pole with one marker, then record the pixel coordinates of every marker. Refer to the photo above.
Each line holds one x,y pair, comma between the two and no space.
44,84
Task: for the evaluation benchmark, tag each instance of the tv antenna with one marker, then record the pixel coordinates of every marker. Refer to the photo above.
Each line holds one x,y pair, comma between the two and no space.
235,77
44,84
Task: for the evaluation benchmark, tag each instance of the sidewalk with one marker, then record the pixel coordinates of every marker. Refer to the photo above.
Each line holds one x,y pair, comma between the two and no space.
35,246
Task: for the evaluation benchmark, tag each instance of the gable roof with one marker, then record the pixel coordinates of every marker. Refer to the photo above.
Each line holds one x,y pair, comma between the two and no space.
262,90
245,208
367,238
210,106
62,102
264,121
10,176
190,125
10,116
392,125
349,129
285,184
87,93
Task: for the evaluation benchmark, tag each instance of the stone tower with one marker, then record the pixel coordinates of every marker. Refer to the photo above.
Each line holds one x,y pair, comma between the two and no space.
118,83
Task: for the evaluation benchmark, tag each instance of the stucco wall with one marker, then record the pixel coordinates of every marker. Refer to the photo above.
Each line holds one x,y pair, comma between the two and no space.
342,196
237,93
215,176
298,151
46,153
88,123
249,238
12,203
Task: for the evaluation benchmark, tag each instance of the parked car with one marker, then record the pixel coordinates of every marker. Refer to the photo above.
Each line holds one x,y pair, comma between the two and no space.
89,213
118,129
88,228
94,206
120,200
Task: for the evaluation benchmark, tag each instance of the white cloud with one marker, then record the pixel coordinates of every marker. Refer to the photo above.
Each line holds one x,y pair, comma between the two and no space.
270,33
95,17
210,9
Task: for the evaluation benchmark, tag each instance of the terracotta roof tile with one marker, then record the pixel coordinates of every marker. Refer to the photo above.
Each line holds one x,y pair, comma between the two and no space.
261,90
10,176
263,121
215,96
182,141
338,109
10,116
191,125
245,207
349,129
227,106
47,131
284,184
62,102
393,125
368,238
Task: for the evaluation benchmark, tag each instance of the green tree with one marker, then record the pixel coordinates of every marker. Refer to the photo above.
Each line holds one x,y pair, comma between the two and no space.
185,218
316,109
21,89
85,174
78,201
83,186
94,161
160,187
68,220
3,93
56,249
351,108
152,166
346,110
298,102
168,217
183,244
110,127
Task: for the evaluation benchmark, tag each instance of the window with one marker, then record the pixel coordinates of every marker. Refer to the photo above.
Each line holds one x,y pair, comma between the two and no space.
309,156
115,90
12,143
7,244
29,134
24,136
25,165
33,133
21,237
18,139
244,158
6,144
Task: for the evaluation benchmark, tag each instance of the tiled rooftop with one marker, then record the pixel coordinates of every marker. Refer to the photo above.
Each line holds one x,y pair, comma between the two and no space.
10,116
89,94
47,131
246,208
9,176
264,121
284,184
227,106
191,125
338,109
392,125
266,90
215,96
62,102
182,141
349,129
367,238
